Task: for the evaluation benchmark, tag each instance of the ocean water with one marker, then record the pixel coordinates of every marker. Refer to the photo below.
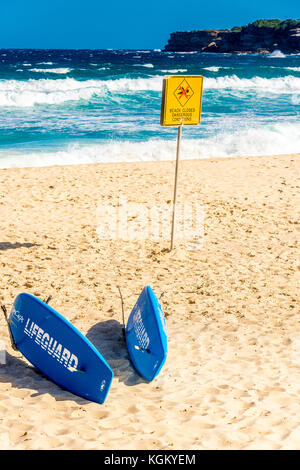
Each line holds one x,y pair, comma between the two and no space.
83,106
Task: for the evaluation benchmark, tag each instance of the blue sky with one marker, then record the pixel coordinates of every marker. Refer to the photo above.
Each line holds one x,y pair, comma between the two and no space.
131,24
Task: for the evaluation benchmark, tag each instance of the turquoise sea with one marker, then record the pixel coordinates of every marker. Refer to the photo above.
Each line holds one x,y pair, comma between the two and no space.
81,106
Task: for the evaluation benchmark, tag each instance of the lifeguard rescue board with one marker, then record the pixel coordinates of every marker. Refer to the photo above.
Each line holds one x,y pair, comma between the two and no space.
55,347
146,335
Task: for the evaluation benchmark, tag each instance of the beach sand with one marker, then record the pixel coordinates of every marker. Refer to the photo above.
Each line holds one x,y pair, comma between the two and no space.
232,376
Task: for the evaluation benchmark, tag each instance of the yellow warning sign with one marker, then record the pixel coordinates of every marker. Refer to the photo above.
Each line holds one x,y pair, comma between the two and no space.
181,100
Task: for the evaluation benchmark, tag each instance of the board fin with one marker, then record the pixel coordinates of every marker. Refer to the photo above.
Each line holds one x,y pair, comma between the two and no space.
142,349
8,321
74,369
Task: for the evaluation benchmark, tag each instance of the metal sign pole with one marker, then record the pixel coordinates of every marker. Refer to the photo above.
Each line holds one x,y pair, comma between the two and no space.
175,185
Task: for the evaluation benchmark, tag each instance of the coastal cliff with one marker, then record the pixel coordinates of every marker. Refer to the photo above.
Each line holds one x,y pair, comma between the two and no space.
262,36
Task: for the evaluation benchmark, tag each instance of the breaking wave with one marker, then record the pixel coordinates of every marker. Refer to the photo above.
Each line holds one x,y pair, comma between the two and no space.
288,84
277,54
274,139
47,91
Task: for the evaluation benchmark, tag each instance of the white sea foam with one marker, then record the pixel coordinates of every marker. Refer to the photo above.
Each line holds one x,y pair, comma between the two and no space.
216,69
58,70
174,71
47,91
212,69
288,84
294,69
277,54
149,66
273,139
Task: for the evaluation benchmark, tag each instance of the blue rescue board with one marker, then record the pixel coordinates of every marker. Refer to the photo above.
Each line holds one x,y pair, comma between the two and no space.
55,347
146,335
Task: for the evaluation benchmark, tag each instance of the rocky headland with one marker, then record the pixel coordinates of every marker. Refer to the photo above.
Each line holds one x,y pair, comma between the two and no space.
262,36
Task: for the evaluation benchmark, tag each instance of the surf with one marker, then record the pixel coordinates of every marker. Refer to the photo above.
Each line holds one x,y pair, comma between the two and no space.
268,139
17,93
280,85
46,91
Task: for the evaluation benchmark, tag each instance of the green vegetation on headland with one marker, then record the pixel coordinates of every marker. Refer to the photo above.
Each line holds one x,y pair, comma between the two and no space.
275,24
262,36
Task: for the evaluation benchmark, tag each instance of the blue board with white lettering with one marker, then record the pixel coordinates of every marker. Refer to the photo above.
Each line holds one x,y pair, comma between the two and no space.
146,335
55,347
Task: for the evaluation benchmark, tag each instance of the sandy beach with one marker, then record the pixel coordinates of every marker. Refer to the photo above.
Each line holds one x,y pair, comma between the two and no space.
232,376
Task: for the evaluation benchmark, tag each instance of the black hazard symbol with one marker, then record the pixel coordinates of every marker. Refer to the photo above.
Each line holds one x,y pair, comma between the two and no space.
183,92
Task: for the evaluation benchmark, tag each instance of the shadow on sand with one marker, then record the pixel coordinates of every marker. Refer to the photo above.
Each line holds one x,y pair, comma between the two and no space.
20,374
12,246
106,336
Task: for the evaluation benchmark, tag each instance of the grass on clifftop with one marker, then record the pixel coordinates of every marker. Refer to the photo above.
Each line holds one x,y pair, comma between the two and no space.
274,24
